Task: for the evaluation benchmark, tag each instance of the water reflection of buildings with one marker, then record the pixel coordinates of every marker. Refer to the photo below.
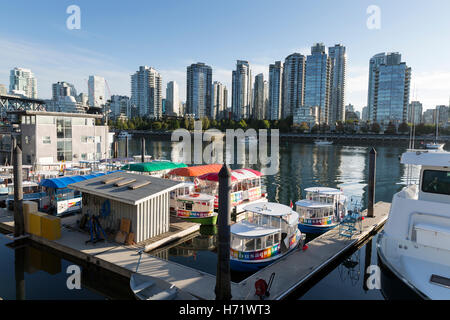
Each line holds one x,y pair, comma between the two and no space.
190,247
350,269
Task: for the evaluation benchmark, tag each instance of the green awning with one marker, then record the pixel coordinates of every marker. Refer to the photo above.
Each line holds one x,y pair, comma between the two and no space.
153,166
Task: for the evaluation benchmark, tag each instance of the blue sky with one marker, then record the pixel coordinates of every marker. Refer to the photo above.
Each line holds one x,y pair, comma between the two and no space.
117,37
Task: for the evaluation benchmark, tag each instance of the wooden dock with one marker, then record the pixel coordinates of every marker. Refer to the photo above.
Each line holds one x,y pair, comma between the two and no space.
291,271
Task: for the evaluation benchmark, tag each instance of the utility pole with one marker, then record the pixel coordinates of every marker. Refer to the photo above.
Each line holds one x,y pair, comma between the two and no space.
223,277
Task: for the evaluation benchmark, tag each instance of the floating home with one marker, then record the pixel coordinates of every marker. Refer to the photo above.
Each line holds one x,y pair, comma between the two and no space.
142,199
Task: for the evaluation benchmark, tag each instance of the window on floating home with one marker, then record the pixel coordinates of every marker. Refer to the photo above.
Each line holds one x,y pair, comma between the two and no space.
258,244
188,205
46,140
435,181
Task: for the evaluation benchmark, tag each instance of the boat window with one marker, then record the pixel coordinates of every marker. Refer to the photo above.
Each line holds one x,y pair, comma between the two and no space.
249,245
276,238
188,205
435,181
269,241
259,244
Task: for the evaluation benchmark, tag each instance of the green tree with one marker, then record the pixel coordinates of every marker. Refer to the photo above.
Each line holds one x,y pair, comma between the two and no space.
403,128
375,127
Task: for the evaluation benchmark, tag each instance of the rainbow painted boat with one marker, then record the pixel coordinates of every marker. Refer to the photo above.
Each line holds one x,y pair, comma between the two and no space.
197,208
267,232
322,210
246,187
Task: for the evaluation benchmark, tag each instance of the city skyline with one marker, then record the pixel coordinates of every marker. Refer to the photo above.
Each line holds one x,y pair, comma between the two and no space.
55,53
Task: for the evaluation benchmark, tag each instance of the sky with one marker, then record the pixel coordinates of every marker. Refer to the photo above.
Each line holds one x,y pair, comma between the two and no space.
116,37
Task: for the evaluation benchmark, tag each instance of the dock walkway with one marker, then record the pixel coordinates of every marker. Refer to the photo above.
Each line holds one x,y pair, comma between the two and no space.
291,271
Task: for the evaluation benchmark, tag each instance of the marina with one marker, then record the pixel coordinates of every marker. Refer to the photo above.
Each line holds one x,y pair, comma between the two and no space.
122,258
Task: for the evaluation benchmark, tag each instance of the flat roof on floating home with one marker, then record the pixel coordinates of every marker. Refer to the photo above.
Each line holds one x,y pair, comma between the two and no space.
142,199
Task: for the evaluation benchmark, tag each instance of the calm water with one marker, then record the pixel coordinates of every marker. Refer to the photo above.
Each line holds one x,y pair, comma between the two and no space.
301,165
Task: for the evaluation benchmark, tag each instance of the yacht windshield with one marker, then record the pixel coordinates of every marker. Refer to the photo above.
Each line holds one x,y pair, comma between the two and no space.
436,182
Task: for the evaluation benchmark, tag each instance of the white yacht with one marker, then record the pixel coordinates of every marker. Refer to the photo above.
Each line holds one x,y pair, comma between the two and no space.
324,142
415,242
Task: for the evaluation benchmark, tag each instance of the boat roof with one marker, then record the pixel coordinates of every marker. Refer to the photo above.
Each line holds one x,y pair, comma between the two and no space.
313,204
200,197
196,171
63,182
249,230
269,208
236,175
324,190
432,158
153,166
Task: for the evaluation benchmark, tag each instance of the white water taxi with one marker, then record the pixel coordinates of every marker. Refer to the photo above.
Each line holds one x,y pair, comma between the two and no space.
266,233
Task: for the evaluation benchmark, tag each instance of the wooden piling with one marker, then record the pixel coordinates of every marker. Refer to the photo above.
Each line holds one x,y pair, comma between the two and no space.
142,149
372,182
223,277
19,223
19,271
126,147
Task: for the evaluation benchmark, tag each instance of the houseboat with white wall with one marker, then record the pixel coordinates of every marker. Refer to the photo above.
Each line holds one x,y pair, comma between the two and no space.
197,207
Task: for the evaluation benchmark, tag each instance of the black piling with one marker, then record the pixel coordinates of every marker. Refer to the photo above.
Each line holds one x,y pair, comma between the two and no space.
19,223
372,182
223,277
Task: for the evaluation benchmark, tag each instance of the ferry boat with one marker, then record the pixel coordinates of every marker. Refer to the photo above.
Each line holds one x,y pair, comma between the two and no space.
245,185
198,208
266,233
156,168
322,142
191,173
415,242
322,210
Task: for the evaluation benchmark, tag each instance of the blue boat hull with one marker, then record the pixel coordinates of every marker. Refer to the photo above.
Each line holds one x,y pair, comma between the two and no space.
240,266
313,229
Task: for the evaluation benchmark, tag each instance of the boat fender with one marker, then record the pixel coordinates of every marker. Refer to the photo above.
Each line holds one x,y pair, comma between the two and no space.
260,288
305,247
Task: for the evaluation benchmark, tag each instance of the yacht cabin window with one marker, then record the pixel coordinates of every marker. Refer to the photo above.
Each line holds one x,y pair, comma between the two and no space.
435,181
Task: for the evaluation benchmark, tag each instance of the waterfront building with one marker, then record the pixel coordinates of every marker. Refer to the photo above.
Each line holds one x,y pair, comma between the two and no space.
63,89
275,90
218,100
50,137
22,82
389,86
96,91
259,97
365,114
317,81
120,107
65,99
172,99
3,90
415,112
146,92
308,115
429,116
293,83
338,58
198,90
442,114
241,99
